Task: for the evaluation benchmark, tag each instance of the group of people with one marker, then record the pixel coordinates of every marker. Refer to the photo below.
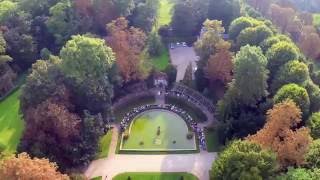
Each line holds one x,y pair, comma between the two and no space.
191,96
136,111
202,139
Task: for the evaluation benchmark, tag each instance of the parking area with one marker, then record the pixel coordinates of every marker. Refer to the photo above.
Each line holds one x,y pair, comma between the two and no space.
181,56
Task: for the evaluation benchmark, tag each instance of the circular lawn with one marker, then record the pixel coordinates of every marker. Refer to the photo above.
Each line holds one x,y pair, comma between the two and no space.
157,130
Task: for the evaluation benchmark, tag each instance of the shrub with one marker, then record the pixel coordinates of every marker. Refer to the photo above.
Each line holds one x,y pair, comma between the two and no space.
314,125
126,135
190,135
141,143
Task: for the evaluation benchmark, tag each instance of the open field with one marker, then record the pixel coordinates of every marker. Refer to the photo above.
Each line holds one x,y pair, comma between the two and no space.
11,124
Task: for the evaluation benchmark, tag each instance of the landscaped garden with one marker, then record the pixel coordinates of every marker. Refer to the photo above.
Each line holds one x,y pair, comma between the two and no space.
155,176
157,130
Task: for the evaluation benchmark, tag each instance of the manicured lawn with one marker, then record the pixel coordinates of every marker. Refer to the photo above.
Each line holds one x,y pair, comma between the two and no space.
212,140
161,62
143,133
316,19
11,123
155,176
104,145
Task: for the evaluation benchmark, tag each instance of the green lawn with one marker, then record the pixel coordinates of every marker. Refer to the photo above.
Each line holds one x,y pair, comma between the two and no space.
155,176
212,140
161,62
316,20
104,145
143,133
11,124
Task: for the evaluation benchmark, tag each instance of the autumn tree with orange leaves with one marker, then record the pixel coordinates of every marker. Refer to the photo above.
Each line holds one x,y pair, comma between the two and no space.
281,134
128,44
309,42
23,167
220,65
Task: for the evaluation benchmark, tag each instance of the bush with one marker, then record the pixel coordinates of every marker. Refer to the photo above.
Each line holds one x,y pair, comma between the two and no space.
126,135
141,143
314,125
190,135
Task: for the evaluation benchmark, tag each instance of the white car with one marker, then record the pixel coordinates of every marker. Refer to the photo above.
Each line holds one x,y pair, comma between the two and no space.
184,44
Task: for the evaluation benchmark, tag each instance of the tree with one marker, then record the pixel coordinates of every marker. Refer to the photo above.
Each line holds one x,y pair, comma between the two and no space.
244,160
240,24
309,44
220,65
128,44
279,54
86,58
292,72
205,46
154,44
7,76
301,174
24,167
298,94
223,10
61,21
188,76
171,72
281,134
312,156
314,96
6,7
254,35
250,74
282,16
314,125
183,21
87,62
260,5
144,15
269,42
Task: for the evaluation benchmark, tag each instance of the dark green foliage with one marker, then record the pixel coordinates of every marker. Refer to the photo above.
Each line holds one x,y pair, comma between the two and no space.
244,160
292,72
223,10
254,35
312,156
268,43
300,174
281,53
250,75
183,20
154,45
240,24
171,72
314,124
314,95
298,94
144,15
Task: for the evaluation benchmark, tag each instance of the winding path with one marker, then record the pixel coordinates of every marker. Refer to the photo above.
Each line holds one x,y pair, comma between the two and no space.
198,164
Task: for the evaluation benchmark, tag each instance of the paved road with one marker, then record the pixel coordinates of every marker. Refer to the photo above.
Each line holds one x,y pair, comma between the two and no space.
198,164
182,57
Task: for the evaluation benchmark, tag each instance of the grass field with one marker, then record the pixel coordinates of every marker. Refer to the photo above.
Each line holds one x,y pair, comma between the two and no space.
161,62
155,176
316,20
11,124
104,145
212,140
143,133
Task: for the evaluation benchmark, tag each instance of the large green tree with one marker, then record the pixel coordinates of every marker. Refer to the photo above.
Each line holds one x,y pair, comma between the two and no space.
240,24
292,72
250,75
244,160
86,61
254,35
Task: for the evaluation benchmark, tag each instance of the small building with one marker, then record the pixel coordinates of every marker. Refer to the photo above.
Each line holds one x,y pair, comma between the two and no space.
160,79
